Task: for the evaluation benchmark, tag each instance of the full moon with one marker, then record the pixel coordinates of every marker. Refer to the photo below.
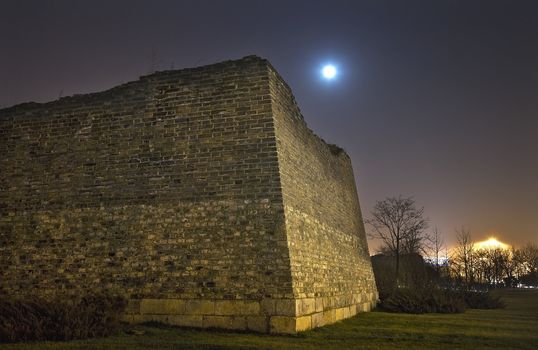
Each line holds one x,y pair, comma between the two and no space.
329,71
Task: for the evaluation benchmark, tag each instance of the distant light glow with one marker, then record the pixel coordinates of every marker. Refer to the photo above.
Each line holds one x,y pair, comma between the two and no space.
329,71
490,244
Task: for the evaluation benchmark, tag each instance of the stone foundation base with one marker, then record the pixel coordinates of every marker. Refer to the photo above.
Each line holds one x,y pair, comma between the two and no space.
266,316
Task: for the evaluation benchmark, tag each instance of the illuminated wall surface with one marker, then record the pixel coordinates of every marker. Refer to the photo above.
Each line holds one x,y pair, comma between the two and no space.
200,194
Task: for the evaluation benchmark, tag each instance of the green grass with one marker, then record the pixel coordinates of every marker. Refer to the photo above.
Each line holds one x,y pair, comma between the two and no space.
515,327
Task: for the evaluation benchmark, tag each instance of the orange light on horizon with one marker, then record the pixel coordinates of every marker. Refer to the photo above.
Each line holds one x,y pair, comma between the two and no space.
490,244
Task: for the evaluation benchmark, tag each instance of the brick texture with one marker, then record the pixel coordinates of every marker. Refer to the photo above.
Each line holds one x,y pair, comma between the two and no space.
200,194
327,241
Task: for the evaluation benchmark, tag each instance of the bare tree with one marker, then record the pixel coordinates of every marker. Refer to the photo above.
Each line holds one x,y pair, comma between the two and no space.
482,266
447,265
518,262
463,258
512,268
436,245
530,255
399,225
493,266
501,260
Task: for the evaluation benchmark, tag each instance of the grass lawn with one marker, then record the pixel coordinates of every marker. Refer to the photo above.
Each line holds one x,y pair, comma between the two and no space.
515,327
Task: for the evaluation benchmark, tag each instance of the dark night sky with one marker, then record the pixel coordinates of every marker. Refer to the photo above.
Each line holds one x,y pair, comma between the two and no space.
435,99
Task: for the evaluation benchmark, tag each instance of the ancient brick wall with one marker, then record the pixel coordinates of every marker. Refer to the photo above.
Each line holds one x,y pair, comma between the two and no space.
331,270
173,191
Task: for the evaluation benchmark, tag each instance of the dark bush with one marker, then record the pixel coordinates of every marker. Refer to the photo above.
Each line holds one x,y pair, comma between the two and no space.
418,301
423,301
482,300
414,273
530,279
60,319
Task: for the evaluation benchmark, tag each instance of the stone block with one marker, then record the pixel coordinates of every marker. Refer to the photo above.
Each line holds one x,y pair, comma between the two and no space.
258,323
303,323
358,308
352,310
282,324
155,318
133,306
319,304
236,307
224,322
339,314
327,303
185,320
162,306
225,307
306,306
365,307
286,307
200,307
239,323
347,313
329,316
268,307
347,300
138,318
339,302
318,320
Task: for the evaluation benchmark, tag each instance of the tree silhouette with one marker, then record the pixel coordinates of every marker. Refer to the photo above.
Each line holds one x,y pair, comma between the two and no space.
400,226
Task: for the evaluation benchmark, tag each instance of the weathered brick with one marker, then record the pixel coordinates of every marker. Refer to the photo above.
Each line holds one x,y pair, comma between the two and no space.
318,320
162,306
133,307
258,323
200,192
329,316
283,324
268,306
237,307
287,307
200,307
339,314
307,306
217,322
303,323
319,304
185,320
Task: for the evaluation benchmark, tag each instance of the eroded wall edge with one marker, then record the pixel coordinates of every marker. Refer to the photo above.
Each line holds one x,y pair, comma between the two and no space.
316,308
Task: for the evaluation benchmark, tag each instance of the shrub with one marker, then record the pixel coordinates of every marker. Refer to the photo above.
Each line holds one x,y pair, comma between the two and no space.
482,300
418,301
89,316
421,301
